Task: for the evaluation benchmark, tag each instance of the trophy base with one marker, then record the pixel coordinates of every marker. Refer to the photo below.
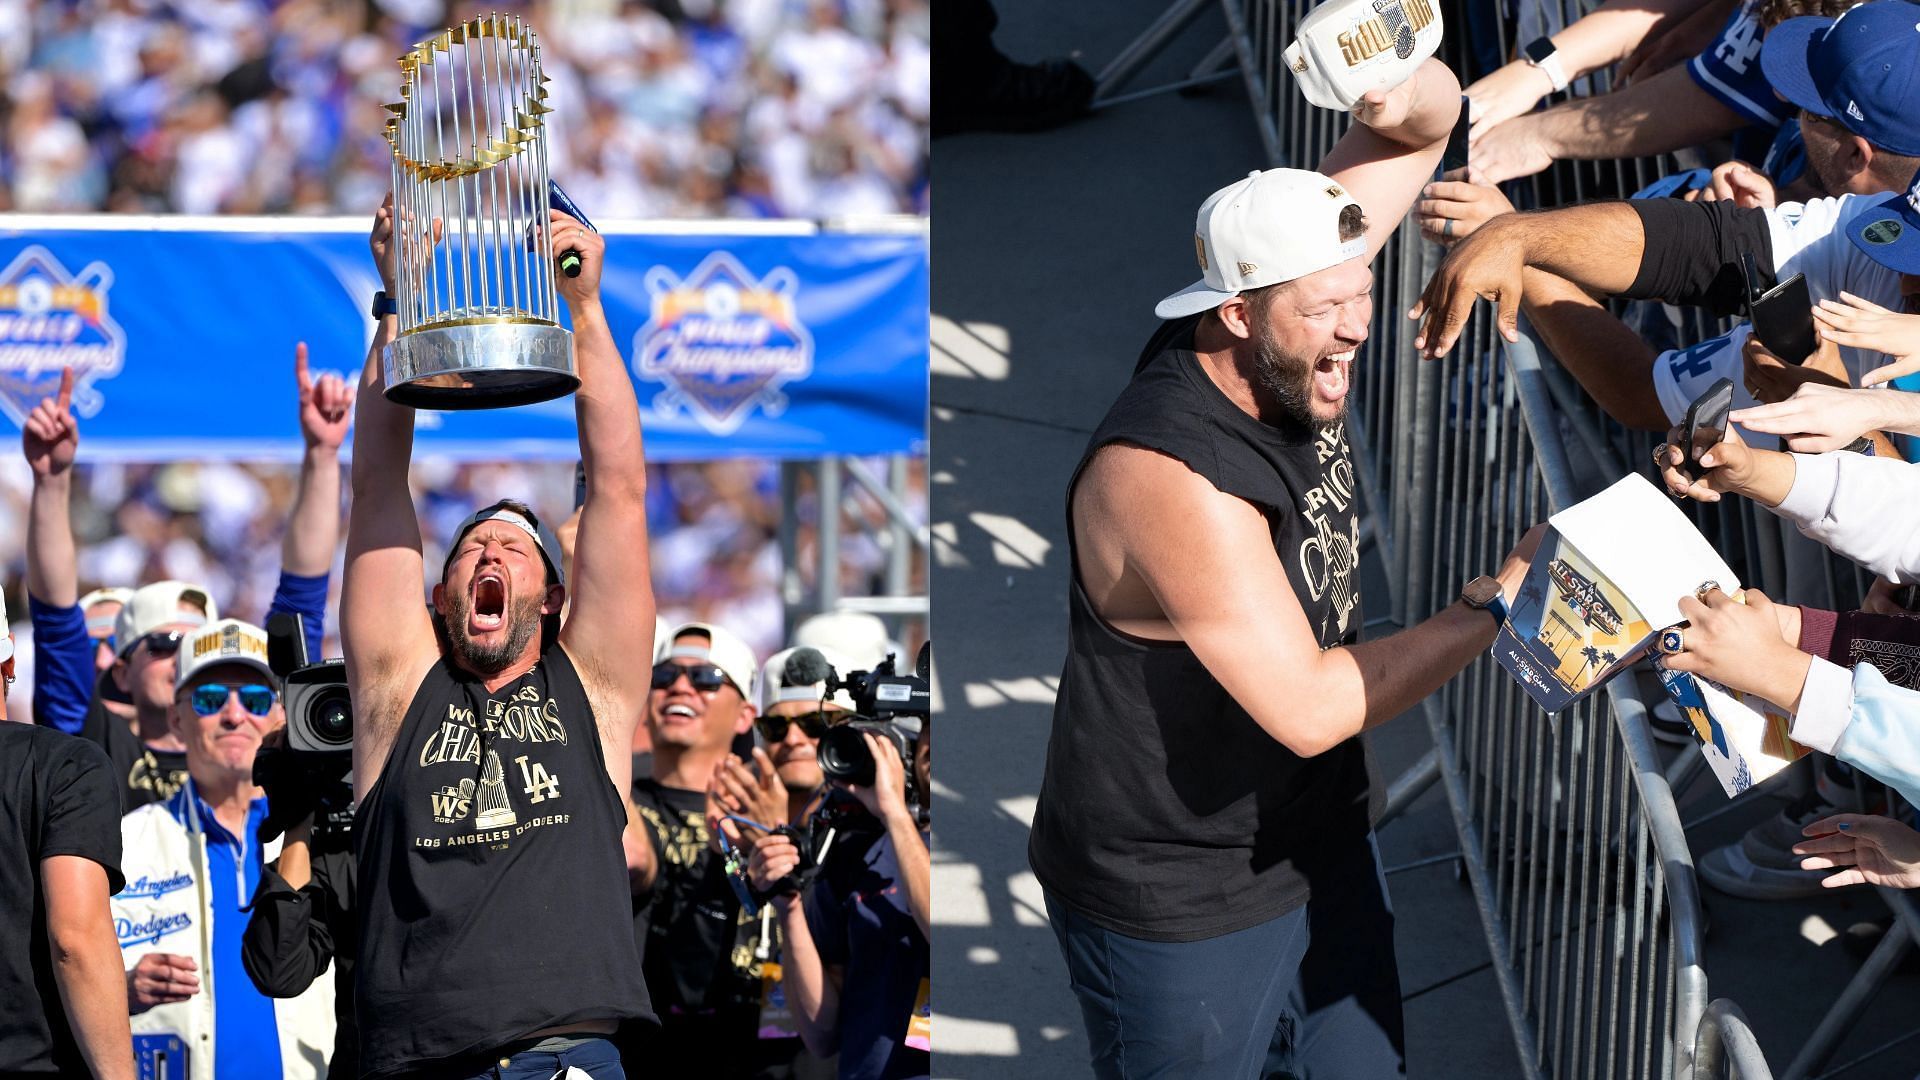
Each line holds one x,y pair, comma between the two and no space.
485,363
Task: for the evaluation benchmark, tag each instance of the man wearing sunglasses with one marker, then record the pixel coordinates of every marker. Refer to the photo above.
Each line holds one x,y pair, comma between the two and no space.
688,920
71,692
492,736
792,718
192,862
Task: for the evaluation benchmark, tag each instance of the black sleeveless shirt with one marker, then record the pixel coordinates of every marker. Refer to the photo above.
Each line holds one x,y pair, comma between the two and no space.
493,895
1166,812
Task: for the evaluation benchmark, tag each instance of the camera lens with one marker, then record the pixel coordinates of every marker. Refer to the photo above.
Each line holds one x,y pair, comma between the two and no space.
843,755
330,717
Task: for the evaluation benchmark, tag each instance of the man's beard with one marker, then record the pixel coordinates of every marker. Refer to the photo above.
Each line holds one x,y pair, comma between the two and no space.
1287,380
523,621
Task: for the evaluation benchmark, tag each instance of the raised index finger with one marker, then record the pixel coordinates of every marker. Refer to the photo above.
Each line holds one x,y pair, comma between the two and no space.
66,389
300,367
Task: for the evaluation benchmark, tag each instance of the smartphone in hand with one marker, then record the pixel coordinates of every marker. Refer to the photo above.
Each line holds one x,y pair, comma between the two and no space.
1705,425
1782,316
1455,156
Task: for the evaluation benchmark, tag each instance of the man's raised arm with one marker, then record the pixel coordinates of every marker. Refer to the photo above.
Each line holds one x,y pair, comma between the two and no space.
1390,153
387,637
609,627
313,526
63,671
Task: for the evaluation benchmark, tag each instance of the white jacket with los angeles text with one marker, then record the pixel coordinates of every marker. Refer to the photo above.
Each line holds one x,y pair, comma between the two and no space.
167,907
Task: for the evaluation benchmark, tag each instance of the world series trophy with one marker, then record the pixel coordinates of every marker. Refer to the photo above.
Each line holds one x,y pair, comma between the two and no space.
478,319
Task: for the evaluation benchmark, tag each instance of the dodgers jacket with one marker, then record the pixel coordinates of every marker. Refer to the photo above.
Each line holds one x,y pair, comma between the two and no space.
167,907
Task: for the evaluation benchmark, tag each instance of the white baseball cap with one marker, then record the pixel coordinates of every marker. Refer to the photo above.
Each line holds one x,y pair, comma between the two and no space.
774,688
1276,225
662,638
162,603
228,641
722,650
1346,48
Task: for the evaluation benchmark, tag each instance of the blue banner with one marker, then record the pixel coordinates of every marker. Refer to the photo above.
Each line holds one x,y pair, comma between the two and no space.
182,339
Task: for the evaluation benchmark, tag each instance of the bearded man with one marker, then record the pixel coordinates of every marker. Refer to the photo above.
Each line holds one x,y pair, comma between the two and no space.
491,744
1204,828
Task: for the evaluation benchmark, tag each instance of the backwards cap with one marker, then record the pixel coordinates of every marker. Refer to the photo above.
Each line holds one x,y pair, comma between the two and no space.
1276,225
161,604
722,650
774,688
543,537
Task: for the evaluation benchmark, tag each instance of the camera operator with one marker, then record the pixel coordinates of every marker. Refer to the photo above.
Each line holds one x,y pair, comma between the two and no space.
855,962
60,971
303,910
192,864
71,693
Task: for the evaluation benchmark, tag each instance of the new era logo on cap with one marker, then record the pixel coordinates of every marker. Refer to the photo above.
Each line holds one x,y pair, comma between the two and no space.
1858,70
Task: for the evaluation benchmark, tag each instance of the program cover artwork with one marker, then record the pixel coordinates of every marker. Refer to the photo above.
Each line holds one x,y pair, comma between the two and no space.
1609,573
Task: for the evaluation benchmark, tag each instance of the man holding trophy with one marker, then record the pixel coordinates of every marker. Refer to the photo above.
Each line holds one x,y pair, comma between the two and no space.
490,741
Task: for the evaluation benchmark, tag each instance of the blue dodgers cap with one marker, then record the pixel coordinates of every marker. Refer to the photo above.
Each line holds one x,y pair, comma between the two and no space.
1889,230
1861,69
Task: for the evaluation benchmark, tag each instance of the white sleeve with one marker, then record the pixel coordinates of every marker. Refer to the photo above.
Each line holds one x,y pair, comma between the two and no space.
1681,375
1864,508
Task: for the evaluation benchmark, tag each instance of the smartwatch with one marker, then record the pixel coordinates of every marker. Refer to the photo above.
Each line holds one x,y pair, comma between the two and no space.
384,305
1486,594
1540,53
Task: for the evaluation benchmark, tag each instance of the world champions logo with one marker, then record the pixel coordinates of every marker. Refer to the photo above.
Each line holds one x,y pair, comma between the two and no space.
51,319
722,341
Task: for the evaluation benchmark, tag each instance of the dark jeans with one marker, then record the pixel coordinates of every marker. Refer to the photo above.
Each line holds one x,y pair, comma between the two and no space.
598,1058
1313,994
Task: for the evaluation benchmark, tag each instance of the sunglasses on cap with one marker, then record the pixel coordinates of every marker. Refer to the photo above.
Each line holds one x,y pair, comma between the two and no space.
812,725
159,643
705,678
209,698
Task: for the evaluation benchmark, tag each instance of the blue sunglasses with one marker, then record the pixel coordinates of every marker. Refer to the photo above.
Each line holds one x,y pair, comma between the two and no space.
210,698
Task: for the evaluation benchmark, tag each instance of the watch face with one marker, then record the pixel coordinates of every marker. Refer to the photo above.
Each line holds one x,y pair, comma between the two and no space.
1539,49
1480,591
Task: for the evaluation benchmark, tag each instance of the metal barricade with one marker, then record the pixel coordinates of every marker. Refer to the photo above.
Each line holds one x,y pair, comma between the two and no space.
1568,828
1726,1046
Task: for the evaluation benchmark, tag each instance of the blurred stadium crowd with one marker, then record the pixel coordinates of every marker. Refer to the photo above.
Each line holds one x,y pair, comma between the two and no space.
665,108
715,530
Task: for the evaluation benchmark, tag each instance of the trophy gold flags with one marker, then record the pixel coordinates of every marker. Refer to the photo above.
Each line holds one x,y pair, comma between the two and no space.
478,322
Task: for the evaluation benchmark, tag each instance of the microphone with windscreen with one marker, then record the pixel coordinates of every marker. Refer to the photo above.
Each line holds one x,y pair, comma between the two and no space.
807,666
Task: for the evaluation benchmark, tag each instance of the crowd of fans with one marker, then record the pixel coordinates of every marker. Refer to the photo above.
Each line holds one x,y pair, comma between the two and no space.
669,108
715,529
1803,117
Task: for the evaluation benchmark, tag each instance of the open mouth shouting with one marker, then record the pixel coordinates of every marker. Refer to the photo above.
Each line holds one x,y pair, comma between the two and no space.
1331,376
489,609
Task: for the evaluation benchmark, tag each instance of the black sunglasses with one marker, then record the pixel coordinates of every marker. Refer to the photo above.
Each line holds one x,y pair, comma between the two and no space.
812,725
160,642
705,678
